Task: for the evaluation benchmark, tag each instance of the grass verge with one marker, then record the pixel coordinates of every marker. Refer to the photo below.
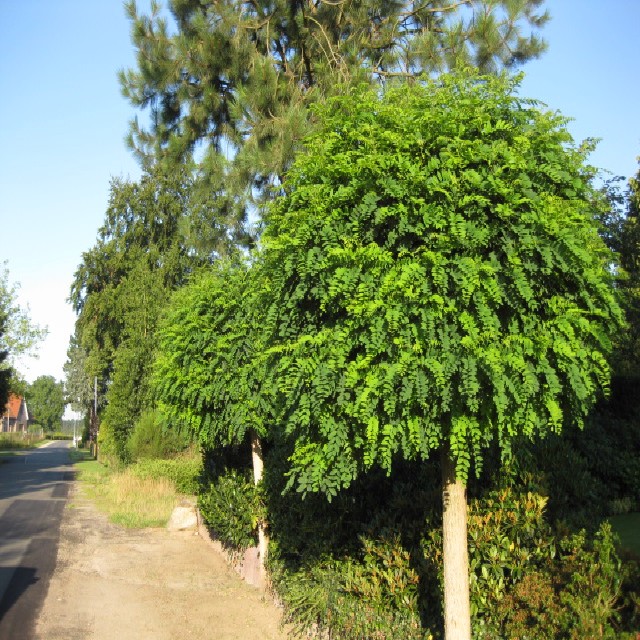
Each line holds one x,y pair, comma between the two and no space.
128,500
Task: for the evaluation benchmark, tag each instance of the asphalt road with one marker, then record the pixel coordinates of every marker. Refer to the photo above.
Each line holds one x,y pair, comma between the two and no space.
33,490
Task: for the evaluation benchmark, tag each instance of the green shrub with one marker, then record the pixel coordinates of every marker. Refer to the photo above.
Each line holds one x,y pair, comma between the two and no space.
108,447
184,471
232,507
574,596
508,535
373,596
529,581
57,435
369,564
151,439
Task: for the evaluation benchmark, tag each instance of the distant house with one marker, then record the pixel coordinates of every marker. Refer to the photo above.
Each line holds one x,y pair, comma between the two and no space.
16,415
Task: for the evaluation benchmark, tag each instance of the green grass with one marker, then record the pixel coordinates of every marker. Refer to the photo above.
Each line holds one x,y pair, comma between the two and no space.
128,500
135,502
627,527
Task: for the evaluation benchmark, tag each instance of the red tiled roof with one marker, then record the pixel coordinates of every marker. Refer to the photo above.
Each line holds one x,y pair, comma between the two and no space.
13,406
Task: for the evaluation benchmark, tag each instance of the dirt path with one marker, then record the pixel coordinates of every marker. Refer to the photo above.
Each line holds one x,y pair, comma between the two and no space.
112,582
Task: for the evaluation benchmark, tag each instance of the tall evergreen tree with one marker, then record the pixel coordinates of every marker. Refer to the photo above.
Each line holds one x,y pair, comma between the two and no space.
78,387
140,256
230,82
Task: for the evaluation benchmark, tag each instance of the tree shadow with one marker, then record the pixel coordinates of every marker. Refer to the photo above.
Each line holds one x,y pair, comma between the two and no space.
19,580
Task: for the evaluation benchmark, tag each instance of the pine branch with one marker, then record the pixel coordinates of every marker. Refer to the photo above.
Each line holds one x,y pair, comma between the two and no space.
451,7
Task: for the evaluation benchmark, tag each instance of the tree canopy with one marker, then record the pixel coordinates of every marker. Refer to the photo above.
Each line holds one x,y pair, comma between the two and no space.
628,352
78,387
18,334
124,281
46,402
208,371
437,280
227,84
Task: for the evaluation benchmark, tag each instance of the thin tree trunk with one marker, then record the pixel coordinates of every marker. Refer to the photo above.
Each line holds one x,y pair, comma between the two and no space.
258,470
457,613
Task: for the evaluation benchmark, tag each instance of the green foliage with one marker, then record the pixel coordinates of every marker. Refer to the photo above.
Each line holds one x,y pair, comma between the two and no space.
109,452
373,558
593,473
151,439
435,277
184,471
208,375
120,288
18,335
628,345
78,384
507,535
58,435
575,597
375,596
5,370
231,505
240,76
45,398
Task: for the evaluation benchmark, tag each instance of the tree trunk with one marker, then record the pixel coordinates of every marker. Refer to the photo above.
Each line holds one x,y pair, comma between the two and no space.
258,469
457,614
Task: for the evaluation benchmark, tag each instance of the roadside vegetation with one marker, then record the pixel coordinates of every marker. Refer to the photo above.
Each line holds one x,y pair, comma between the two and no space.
142,494
440,300
14,441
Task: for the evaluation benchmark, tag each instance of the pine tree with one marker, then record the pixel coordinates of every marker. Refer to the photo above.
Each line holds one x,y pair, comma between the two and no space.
230,82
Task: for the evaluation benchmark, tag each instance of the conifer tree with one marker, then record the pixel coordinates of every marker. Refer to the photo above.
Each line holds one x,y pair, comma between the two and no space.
122,284
230,82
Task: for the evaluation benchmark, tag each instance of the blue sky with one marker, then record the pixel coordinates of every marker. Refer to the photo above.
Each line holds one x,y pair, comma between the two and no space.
63,121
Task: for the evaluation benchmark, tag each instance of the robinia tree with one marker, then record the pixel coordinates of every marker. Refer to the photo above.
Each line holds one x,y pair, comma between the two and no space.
209,371
437,283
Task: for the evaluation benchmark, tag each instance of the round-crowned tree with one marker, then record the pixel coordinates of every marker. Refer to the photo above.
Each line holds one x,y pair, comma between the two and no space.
436,282
208,372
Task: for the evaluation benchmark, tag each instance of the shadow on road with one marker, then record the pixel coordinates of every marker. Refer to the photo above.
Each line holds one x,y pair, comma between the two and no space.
20,579
33,490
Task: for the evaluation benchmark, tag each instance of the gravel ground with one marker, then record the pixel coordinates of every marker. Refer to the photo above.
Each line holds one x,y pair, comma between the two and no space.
141,584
